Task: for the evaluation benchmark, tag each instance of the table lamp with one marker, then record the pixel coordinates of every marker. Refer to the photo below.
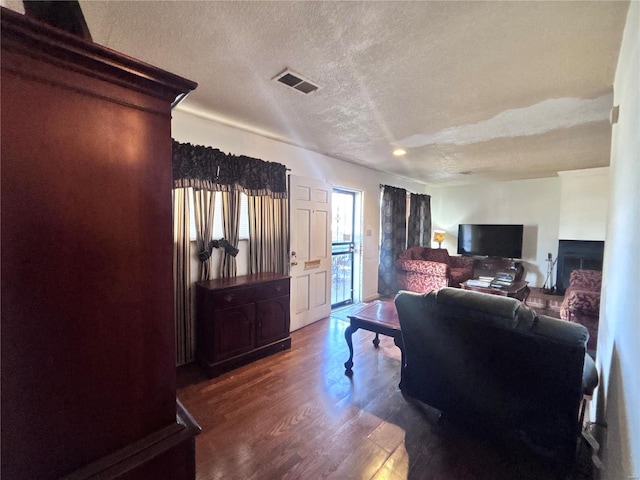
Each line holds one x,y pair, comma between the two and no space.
438,236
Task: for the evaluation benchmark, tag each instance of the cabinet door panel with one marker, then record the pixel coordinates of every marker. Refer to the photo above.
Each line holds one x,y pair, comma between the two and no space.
234,331
272,320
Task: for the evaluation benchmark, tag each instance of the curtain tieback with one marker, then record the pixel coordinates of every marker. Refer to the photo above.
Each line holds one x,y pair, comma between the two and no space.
229,249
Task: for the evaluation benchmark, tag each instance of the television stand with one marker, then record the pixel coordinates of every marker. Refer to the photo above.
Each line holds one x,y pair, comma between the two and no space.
491,266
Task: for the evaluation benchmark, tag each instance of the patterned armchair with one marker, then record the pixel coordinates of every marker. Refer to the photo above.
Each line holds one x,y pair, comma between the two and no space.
581,303
423,269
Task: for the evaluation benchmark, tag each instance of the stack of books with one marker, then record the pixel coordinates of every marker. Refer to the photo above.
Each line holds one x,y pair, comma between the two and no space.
503,279
480,282
499,281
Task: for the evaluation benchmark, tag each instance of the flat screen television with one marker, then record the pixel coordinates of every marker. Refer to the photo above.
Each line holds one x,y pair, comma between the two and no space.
503,241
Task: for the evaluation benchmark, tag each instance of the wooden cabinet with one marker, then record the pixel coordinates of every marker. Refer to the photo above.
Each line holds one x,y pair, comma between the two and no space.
88,356
241,319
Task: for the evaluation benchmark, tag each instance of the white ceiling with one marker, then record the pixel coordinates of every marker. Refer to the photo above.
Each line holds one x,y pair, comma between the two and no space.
476,91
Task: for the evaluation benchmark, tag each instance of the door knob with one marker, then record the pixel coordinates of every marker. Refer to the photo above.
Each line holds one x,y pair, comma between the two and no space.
294,259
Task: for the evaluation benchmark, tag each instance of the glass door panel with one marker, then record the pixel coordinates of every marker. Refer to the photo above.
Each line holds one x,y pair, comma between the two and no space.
342,247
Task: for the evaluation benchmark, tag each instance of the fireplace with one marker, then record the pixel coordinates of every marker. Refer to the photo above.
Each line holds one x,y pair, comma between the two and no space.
577,254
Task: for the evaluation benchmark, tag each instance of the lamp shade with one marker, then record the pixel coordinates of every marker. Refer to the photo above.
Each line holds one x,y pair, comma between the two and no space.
438,236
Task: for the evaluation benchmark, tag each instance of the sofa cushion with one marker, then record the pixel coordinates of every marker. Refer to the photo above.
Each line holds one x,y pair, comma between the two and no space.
458,261
416,253
440,255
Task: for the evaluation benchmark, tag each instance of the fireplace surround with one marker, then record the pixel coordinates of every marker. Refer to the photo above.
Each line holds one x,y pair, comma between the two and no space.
577,254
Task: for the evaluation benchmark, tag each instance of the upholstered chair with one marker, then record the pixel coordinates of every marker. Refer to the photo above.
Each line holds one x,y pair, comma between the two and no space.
423,269
581,303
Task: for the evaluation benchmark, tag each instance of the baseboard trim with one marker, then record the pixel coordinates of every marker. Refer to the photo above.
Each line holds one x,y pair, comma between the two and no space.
137,454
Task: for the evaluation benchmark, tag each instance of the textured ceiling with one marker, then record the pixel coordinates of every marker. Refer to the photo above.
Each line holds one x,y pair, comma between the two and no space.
476,91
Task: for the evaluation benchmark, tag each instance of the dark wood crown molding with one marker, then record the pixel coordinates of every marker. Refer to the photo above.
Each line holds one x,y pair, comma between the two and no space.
40,40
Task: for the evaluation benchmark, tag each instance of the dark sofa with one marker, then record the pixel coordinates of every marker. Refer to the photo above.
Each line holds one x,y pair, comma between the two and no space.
491,363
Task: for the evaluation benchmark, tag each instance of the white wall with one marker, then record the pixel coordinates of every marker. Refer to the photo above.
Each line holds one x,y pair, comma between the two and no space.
584,203
572,206
187,127
618,395
533,203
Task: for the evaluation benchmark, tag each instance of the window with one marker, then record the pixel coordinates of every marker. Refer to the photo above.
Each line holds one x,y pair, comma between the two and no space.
218,233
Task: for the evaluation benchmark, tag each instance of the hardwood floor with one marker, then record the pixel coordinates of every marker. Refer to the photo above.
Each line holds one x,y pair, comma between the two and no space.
295,415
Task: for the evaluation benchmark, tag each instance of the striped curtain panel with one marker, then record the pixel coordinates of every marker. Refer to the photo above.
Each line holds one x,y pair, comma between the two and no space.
230,224
268,234
182,307
419,228
203,206
208,170
393,222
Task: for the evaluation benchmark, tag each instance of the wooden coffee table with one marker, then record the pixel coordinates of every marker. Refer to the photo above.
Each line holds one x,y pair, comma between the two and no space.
518,290
378,317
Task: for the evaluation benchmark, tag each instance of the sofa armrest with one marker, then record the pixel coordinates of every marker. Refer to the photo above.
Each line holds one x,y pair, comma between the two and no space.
583,302
423,266
589,375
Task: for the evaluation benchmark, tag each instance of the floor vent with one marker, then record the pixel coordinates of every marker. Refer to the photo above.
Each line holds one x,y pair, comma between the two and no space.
296,81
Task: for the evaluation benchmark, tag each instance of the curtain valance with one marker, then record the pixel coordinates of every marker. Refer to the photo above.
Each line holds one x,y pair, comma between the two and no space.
208,168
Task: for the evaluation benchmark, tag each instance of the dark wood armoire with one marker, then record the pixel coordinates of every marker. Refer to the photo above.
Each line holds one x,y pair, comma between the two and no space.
88,355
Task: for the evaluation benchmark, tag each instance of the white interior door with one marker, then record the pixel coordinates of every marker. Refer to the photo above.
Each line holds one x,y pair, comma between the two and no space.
310,218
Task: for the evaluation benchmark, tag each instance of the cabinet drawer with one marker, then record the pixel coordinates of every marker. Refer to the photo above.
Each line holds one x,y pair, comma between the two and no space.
274,289
233,298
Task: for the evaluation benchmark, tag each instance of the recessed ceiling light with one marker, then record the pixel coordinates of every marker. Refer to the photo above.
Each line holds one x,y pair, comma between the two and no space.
399,152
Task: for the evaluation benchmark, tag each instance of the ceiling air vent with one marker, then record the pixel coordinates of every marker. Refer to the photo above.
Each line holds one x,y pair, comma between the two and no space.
296,81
